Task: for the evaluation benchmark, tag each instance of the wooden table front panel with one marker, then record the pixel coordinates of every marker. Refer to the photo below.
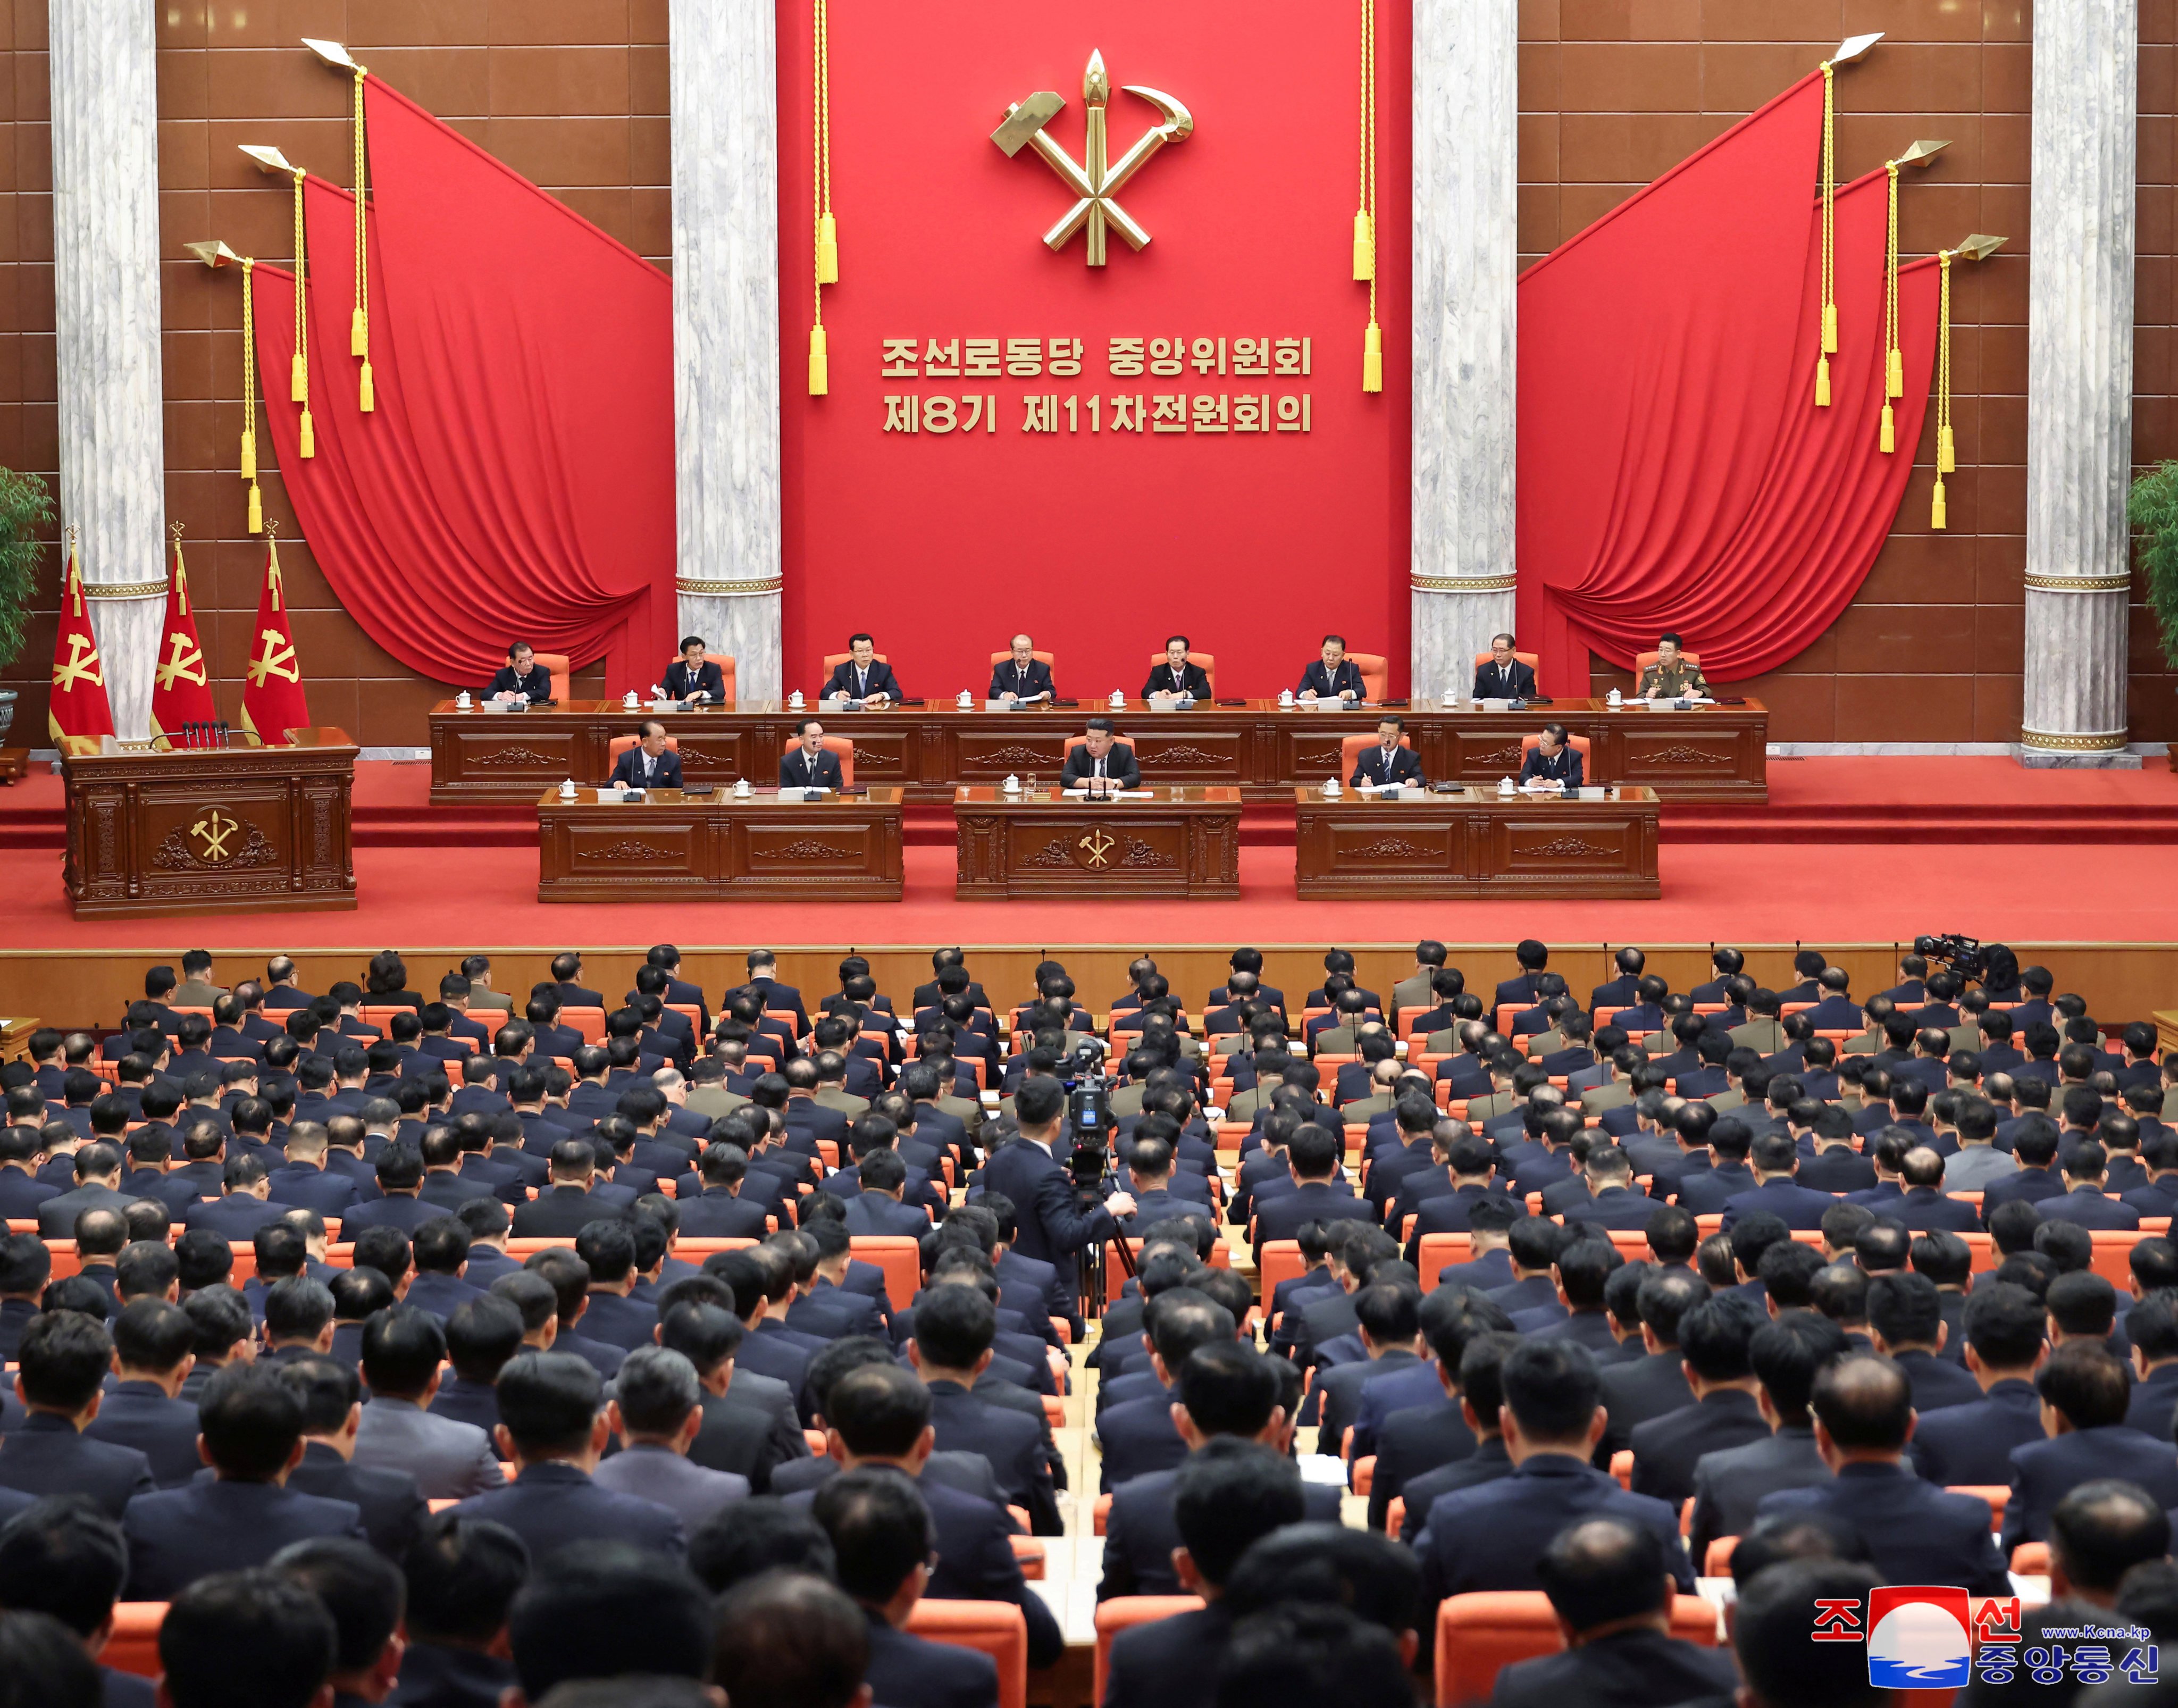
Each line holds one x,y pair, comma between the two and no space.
1475,843
1715,754
1186,842
242,830
674,847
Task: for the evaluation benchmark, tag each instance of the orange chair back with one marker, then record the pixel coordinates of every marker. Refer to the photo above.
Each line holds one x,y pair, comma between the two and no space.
588,1022
1124,1613
1533,661
1478,1635
726,671
1280,1261
833,660
1051,658
901,1258
1580,744
556,663
997,1628
841,744
620,744
1643,660
1351,748
2112,1257
1375,674
1208,661
134,1647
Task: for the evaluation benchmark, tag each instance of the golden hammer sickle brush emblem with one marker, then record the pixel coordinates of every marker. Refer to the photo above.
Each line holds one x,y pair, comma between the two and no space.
1096,181
1097,845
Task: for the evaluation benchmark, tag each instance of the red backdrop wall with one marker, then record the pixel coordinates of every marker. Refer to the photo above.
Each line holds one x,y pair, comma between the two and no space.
1099,546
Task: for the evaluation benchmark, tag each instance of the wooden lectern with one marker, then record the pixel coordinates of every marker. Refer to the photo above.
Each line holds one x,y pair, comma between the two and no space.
235,830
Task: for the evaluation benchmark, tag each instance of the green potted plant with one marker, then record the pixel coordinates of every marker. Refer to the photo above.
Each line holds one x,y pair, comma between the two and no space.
25,507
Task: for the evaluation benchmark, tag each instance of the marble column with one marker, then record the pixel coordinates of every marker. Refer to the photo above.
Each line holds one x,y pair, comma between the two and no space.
106,319
1466,140
725,333
2079,381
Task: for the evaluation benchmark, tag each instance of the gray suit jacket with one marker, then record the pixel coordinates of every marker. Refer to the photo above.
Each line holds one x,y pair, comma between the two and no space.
673,1481
449,1460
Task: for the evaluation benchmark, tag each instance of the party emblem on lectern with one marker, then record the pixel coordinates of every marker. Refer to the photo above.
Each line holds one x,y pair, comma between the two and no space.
1095,848
1096,180
213,832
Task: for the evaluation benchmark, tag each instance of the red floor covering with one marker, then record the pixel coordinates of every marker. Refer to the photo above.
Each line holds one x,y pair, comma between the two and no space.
418,898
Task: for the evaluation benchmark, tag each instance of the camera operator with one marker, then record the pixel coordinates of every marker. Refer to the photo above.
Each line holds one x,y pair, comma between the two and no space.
1052,1225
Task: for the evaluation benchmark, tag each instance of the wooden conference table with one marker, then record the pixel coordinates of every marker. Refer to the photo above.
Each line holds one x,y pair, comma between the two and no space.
674,847
1476,843
232,829
1160,842
1711,753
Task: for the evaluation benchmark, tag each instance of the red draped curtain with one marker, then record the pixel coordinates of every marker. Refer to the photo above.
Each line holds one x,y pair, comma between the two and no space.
516,477
1675,473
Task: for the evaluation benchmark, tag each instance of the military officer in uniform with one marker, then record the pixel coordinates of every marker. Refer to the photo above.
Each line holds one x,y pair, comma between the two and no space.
1673,676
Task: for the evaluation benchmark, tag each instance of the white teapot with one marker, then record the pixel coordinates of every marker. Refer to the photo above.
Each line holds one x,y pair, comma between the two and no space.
795,700
1451,698
741,790
965,701
1285,699
1614,699
567,789
1505,785
629,702
1332,791
1119,700
1012,785
463,700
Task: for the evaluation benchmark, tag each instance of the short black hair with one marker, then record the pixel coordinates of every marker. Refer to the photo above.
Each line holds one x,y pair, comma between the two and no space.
63,1359
1328,1564
548,1401
361,1588
1864,1401
1788,1355
2086,1384
250,1421
1229,1495
285,1631
1324,1656
64,1555
402,1348
2101,1529
1777,1610
761,1533
786,1639
1228,1389
606,1609
879,1409
1551,1388
1603,1569
880,1530
463,1574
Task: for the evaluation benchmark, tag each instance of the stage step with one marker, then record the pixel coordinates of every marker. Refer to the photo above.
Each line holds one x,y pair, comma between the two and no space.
1947,821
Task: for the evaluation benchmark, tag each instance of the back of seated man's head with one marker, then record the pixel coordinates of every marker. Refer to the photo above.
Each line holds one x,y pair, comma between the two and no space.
290,1639
1605,1571
550,1403
605,1611
1864,1402
2099,1531
63,1556
250,1424
788,1639
1551,1389
880,1530
1777,1607
463,1574
366,1597
1328,1565
64,1357
2084,1383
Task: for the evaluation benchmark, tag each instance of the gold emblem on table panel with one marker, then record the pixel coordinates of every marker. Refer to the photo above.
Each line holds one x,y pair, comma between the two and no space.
1097,849
1095,181
213,831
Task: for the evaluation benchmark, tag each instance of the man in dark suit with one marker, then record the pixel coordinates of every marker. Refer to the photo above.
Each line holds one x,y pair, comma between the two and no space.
242,1514
2084,1202
1917,1533
863,676
522,678
1100,757
1553,760
721,1211
302,1182
554,1427
64,1357
876,1208
1774,1160
1503,676
1729,1486
1609,1582
1906,1323
1971,1444
1174,676
879,1415
1139,1436
1312,1157
2085,1390
1654,1383
1023,679
153,1347
1049,1227
810,765
649,764
1333,676
1714,1339
1228,1494
693,676
566,1206
951,1351
1492,1536
1411,1437
881,1533
96,1170
392,1507
1390,761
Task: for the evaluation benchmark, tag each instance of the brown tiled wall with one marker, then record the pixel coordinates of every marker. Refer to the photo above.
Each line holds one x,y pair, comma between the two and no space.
573,94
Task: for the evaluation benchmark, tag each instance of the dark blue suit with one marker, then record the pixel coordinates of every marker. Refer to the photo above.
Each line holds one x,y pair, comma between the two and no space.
1800,1207
537,684
1490,1537
139,1415
1140,1533
44,1455
628,769
392,1508
1331,684
1138,1437
178,1535
1515,681
797,770
1917,1532
1561,767
709,679
1008,678
1051,1228
2044,1472
914,1672
878,680
552,1504
2089,1208
1371,766
309,1187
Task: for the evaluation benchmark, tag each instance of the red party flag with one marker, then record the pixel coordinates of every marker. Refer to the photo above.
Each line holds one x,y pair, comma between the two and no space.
272,687
180,692
77,705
